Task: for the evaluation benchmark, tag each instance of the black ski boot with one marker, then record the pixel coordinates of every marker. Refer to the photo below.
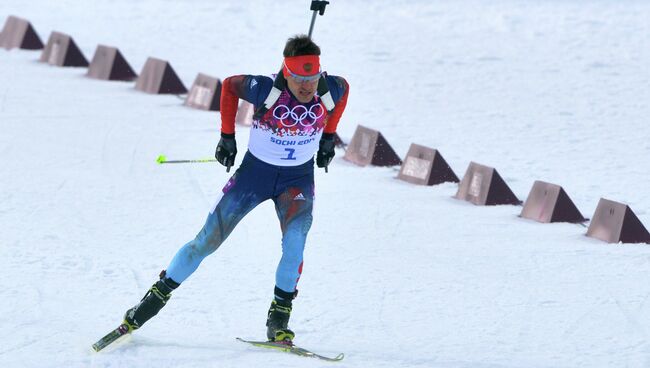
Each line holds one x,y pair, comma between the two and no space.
277,322
151,303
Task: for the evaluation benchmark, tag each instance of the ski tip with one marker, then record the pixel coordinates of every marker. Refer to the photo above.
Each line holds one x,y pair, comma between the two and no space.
161,159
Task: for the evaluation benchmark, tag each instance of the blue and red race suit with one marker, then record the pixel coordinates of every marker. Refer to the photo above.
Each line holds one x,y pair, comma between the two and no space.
278,165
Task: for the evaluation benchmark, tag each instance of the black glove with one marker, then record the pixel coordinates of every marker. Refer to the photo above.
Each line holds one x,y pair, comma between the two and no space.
325,150
226,150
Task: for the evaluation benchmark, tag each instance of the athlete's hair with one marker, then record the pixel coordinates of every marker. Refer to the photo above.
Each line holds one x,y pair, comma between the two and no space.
299,45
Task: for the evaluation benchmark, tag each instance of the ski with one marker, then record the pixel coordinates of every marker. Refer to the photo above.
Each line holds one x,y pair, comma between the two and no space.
122,330
292,349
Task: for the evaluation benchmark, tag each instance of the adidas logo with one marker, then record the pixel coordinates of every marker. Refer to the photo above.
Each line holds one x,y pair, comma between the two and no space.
253,83
299,197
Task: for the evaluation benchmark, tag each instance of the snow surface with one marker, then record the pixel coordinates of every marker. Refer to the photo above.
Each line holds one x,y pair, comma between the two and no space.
396,275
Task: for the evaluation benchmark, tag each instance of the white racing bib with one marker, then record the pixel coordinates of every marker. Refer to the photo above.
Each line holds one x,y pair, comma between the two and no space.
289,133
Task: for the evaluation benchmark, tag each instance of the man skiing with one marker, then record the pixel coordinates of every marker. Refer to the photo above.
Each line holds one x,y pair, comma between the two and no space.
296,116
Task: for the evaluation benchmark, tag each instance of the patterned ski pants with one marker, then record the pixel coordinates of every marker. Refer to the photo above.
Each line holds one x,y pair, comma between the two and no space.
292,191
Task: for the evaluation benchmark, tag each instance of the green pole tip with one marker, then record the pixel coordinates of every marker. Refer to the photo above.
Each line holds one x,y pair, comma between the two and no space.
161,159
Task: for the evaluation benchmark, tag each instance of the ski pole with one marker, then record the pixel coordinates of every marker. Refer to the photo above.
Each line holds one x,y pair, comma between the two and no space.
318,6
163,160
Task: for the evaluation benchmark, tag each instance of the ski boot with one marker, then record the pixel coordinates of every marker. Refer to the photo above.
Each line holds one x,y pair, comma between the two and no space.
151,303
277,322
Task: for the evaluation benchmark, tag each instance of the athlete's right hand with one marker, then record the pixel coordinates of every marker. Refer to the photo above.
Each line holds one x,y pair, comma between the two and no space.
226,150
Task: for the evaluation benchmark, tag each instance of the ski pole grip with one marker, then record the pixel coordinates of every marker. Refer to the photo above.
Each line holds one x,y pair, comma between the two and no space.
319,6
316,6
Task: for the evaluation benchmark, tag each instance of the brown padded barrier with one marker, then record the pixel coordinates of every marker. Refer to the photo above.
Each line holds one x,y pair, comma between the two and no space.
19,33
548,202
425,166
158,77
205,93
369,147
483,186
109,64
615,222
61,50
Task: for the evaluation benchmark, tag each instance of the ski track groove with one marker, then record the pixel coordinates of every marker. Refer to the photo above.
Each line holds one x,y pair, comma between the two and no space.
642,304
532,301
135,150
194,184
632,322
4,100
29,343
573,327
388,327
105,154
136,279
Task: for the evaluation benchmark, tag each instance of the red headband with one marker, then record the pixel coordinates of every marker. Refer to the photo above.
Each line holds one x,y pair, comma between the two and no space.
304,65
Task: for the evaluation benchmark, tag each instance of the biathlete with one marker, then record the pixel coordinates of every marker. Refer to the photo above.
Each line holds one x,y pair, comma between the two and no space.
296,115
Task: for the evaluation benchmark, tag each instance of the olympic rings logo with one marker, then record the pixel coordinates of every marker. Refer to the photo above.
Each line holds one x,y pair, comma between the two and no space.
299,114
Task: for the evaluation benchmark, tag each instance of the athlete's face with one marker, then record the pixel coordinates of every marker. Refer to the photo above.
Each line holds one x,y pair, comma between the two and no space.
303,90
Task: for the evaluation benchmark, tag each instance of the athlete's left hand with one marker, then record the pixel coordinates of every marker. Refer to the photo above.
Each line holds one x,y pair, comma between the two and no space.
325,150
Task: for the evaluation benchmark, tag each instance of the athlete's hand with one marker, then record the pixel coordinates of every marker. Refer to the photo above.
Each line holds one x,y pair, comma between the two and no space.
325,150
226,150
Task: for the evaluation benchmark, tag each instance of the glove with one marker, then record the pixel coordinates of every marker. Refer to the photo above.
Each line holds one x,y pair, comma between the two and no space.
325,150
226,150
